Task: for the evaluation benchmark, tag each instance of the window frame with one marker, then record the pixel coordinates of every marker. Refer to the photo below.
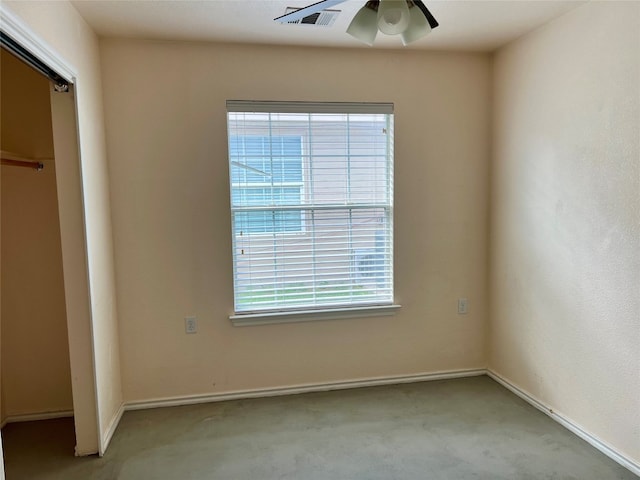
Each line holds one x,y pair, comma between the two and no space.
284,313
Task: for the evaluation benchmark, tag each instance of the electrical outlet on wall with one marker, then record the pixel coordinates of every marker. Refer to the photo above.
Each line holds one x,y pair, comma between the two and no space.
190,325
463,306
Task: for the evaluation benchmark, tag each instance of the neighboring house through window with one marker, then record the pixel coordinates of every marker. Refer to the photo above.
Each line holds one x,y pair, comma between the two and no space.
266,171
311,205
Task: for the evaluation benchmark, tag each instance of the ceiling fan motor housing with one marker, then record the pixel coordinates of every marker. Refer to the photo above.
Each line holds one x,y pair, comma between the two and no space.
391,17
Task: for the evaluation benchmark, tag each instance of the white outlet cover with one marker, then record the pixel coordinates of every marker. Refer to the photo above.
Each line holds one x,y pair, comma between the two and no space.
463,306
190,325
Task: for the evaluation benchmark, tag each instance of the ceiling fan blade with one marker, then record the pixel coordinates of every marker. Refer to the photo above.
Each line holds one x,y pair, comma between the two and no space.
433,23
308,10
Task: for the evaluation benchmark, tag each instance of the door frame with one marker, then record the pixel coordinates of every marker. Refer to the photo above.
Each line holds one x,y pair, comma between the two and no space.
72,216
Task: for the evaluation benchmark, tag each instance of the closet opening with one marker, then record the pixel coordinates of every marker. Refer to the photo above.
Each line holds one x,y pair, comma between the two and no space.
46,362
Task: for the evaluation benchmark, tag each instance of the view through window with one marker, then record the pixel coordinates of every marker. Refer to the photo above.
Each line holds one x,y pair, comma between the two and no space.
311,205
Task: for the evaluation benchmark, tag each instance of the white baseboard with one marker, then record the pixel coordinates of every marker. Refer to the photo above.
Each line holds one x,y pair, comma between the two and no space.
83,453
32,417
106,440
567,423
297,389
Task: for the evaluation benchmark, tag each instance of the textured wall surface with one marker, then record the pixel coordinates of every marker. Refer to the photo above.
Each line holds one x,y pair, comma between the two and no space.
167,146
565,231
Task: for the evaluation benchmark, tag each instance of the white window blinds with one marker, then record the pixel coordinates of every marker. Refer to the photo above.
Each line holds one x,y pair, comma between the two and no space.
311,204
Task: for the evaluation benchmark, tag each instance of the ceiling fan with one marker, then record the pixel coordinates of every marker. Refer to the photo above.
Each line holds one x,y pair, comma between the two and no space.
408,18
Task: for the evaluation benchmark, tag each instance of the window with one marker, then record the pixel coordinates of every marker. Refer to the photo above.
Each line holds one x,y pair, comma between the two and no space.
266,171
311,205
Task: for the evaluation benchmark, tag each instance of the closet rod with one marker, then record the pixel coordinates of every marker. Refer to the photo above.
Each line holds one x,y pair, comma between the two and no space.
23,163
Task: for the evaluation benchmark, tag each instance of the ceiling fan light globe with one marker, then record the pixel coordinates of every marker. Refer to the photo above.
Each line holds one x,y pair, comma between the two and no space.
418,27
364,26
393,16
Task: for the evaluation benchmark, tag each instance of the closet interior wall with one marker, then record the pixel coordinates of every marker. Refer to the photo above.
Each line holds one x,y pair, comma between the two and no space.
36,376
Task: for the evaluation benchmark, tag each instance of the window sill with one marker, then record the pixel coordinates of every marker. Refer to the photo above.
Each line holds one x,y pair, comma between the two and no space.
249,319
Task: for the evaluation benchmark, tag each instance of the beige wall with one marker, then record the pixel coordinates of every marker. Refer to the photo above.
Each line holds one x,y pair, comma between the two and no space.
565,243
165,109
96,337
25,124
35,353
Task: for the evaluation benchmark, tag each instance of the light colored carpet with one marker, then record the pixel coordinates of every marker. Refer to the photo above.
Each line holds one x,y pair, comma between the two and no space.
455,429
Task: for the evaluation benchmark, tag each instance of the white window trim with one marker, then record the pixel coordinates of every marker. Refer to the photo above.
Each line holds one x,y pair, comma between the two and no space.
295,316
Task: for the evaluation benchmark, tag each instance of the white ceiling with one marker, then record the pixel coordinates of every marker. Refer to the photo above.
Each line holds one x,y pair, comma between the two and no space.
464,24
